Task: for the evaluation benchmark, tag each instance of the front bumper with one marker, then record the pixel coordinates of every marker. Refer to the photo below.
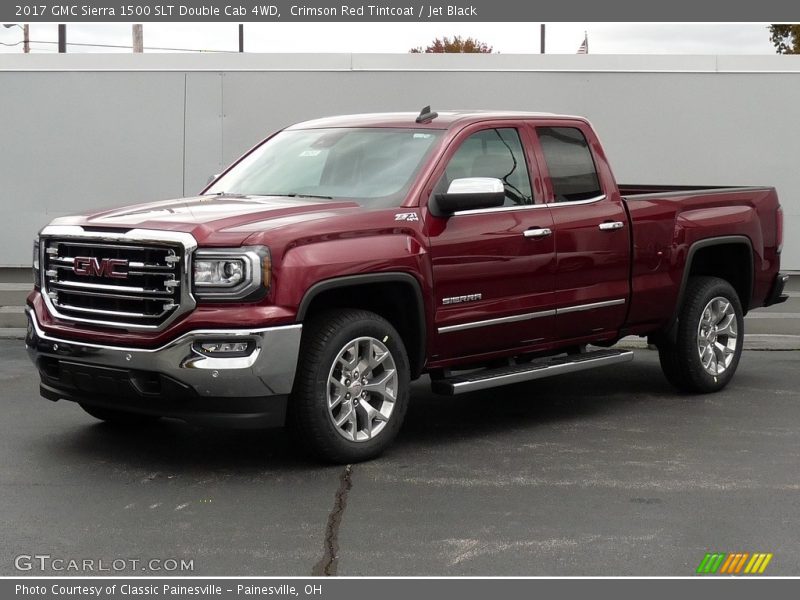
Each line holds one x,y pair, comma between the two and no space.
177,379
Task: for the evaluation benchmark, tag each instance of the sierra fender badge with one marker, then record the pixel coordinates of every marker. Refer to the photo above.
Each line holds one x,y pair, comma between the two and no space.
460,299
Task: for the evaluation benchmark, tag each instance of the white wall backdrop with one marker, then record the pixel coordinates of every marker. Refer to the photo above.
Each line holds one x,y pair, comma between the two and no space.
88,131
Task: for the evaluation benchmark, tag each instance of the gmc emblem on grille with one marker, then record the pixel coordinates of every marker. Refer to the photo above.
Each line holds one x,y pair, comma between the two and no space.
100,267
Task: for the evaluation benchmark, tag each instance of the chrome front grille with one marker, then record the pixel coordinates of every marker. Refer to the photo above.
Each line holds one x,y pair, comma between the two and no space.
116,280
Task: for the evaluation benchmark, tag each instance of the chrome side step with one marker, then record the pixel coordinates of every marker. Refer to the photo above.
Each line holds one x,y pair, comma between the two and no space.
536,369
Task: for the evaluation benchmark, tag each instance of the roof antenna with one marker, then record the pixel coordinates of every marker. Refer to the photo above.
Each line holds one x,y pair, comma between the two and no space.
426,116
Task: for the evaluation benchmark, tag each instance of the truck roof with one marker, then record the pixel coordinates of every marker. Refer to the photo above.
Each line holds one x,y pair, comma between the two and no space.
444,120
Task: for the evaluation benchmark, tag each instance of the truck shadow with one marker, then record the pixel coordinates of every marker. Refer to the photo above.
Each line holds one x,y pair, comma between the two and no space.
542,403
176,446
431,419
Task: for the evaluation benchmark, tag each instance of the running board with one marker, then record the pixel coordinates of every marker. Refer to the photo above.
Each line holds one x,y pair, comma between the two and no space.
536,369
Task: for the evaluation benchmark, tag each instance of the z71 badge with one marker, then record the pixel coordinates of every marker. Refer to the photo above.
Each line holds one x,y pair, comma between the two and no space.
407,216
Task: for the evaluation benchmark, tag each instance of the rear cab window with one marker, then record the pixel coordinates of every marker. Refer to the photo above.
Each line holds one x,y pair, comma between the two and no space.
569,161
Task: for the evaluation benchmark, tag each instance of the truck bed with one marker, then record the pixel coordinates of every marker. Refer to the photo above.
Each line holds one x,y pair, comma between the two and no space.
667,220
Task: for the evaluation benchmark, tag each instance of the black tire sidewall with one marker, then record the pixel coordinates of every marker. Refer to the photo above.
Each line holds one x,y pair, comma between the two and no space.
700,291
323,437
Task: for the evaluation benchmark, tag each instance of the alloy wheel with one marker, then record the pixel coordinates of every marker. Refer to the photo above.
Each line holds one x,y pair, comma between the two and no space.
717,336
362,389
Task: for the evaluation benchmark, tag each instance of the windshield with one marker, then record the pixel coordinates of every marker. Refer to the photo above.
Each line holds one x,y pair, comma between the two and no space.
373,166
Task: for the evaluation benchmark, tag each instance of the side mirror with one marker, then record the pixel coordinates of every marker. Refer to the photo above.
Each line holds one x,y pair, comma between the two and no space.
469,193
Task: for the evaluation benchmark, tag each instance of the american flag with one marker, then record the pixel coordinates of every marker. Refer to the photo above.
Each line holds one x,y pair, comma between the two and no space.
584,47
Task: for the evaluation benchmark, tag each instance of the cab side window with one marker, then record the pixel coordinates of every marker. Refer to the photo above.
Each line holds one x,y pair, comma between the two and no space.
492,153
573,173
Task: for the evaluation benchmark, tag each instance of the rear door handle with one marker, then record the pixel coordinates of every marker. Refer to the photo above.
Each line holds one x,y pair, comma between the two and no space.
537,232
611,225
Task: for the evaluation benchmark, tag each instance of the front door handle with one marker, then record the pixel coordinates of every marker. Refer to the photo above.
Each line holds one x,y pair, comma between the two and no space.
611,225
537,232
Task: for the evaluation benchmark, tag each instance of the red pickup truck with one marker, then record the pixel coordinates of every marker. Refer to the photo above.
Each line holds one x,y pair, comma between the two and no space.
342,258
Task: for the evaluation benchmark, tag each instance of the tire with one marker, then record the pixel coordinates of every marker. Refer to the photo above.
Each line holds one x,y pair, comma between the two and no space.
710,333
335,345
118,417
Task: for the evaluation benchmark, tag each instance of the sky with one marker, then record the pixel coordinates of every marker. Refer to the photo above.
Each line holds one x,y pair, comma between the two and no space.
507,38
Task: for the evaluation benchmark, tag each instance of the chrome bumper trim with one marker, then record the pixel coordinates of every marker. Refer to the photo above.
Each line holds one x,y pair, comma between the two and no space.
268,371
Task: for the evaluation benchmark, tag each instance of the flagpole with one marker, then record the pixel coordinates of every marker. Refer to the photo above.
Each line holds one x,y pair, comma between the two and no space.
584,47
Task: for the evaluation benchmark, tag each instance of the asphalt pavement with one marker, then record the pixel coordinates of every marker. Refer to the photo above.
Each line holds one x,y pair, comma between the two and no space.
606,472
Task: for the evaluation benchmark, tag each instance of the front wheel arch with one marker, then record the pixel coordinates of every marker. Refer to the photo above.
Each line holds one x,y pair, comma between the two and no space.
395,296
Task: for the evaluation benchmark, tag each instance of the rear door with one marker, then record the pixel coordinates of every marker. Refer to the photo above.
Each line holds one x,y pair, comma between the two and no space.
493,269
592,241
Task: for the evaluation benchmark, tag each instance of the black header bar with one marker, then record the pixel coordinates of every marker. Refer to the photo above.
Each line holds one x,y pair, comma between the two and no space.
243,11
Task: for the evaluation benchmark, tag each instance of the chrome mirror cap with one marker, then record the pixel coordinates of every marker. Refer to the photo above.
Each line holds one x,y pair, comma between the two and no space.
476,185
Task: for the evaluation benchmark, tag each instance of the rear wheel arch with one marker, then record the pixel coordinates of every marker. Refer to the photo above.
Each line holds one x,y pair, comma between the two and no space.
396,296
702,259
720,257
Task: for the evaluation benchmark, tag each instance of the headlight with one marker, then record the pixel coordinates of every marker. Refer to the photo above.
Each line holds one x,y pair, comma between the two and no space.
231,273
219,272
37,277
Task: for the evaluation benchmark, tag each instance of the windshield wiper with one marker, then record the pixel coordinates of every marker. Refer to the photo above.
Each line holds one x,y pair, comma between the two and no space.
306,196
292,195
296,195
226,195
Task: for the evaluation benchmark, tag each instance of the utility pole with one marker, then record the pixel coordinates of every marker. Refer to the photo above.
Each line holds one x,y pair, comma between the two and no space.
62,39
26,35
138,38
241,37
541,39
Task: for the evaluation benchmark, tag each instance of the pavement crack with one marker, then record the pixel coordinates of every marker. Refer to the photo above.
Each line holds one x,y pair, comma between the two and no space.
329,563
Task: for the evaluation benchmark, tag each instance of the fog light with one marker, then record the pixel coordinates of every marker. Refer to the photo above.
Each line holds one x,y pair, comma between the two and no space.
225,348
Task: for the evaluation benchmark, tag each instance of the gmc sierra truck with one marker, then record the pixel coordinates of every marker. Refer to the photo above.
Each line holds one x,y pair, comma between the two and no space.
342,258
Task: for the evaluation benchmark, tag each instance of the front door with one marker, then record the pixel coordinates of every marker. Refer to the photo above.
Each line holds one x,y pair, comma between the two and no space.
493,269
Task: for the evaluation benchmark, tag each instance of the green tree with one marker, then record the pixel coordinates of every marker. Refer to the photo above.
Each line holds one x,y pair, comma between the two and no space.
785,38
456,44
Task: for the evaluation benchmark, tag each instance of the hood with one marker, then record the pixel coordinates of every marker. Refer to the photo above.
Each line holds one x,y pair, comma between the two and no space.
213,219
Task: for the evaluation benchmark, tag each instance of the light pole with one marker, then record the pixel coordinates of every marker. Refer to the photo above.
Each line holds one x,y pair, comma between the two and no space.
26,35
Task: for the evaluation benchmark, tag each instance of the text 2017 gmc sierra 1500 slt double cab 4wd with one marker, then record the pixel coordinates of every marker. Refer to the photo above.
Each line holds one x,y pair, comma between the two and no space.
344,257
